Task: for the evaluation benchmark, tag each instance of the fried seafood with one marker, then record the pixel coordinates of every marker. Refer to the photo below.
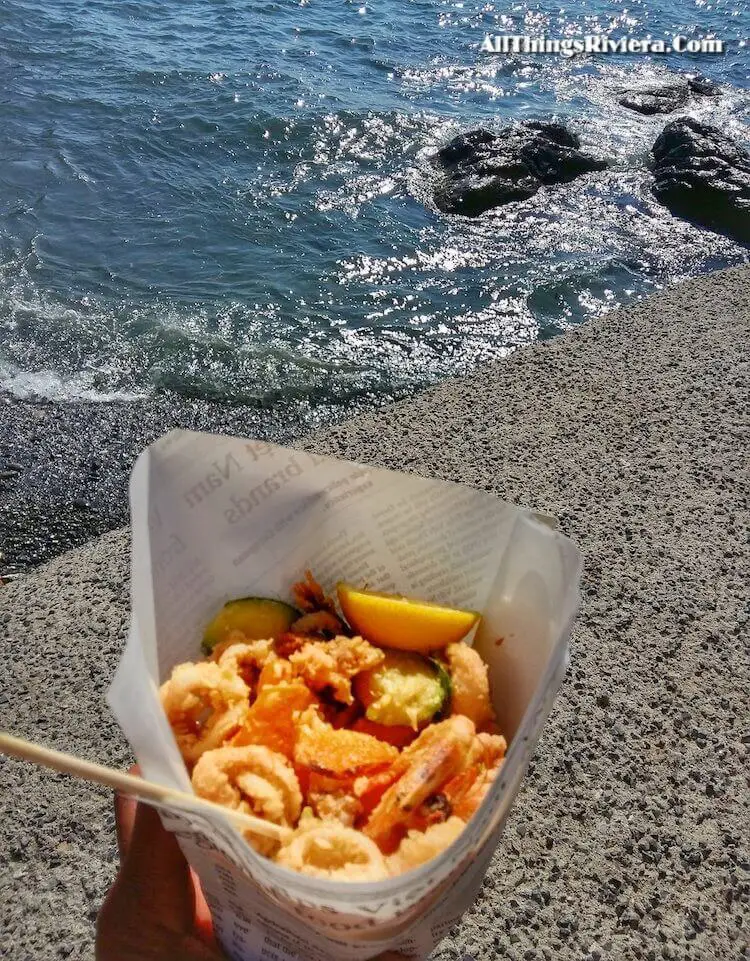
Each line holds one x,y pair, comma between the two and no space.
234,637
399,735
332,664
333,799
465,792
334,852
317,623
254,780
421,846
493,748
470,684
206,704
310,597
435,809
343,753
339,715
247,659
438,754
348,799
370,788
272,718
275,671
374,757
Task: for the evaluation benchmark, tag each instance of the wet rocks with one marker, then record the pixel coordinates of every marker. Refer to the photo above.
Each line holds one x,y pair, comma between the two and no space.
703,175
482,169
703,86
653,100
666,98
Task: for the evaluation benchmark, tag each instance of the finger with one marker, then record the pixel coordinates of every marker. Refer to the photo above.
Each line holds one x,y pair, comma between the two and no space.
193,949
125,817
125,808
124,821
155,872
204,924
130,939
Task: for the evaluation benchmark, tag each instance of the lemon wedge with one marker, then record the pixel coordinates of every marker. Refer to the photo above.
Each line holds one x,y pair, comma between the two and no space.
391,620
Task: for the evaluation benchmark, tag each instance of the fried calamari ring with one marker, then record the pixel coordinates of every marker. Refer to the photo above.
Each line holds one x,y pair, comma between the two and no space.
205,704
334,852
253,780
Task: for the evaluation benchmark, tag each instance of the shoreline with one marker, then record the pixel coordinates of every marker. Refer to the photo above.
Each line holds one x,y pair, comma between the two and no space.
64,465
627,839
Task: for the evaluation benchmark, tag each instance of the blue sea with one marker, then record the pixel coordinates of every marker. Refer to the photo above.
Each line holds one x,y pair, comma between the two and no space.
231,201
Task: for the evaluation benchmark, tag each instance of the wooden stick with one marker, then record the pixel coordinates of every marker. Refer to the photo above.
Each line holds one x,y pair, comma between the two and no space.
136,787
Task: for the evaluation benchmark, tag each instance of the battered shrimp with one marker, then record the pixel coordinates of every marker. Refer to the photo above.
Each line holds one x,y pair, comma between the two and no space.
465,792
248,659
205,704
470,684
436,756
333,664
338,753
421,846
254,780
436,809
309,596
333,852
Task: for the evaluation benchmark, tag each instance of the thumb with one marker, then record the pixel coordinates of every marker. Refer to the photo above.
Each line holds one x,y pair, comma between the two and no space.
149,911
155,873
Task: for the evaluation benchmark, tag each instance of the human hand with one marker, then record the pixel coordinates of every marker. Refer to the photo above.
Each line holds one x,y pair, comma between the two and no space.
155,910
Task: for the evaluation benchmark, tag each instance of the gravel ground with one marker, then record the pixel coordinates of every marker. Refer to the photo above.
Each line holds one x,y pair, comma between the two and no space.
64,467
630,837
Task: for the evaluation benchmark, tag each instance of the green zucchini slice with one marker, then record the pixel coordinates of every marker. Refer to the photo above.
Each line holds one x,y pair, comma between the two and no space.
256,618
405,689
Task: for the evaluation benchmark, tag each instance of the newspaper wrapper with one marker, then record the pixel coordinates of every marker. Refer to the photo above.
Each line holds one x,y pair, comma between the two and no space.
216,518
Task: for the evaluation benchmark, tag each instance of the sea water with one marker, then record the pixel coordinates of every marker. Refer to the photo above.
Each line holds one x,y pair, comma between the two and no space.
232,200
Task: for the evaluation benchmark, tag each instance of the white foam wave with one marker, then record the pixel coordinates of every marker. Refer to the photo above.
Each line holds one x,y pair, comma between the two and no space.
50,385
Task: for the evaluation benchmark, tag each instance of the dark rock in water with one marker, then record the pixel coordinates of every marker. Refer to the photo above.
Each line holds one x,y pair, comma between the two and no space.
704,176
651,100
474,194
465,146
484,170
703,86
668,97
554,155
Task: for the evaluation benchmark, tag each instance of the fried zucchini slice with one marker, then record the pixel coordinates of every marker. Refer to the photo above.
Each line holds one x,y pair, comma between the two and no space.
406,689
256,618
